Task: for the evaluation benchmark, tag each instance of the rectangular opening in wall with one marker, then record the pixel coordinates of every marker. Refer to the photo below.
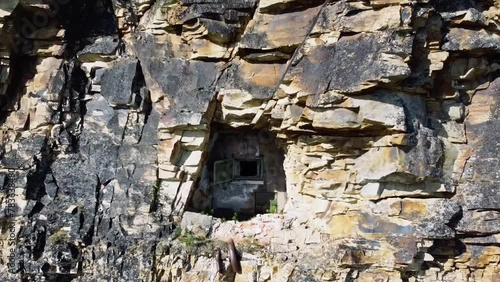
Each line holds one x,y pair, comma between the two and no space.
248,169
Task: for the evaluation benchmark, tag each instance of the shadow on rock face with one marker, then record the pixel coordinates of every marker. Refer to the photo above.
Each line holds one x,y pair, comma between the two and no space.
452,6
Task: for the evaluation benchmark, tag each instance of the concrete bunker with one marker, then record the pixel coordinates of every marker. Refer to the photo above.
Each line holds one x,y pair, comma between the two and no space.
243,175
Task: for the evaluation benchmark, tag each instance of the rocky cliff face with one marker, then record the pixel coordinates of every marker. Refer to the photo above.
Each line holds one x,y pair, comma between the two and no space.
387,114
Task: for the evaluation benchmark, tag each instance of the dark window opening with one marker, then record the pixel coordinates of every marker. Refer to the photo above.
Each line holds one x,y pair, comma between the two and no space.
249,168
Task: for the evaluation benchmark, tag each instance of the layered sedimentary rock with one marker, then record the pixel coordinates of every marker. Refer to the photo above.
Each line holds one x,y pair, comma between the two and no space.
386,114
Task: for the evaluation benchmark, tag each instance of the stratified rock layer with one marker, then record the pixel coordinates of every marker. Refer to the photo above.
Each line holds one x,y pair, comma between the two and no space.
387,113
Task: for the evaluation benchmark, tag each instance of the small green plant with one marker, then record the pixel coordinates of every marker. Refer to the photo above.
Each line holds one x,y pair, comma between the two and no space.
273,206
250,245
189,238
208,212
255,244
169,4
235,216
178,232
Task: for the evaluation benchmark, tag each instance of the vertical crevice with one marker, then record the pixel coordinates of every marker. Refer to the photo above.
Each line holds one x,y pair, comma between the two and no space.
88,238
141,97
40,242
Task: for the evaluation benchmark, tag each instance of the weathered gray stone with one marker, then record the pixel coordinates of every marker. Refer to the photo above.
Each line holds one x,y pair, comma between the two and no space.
461,39
442,213
353,64
28,146
101,49
268,32
77,190
99,110
476,222
196,223
260,80
117,81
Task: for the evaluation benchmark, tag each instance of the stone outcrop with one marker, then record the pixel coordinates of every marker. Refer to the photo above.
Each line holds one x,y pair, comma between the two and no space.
386,114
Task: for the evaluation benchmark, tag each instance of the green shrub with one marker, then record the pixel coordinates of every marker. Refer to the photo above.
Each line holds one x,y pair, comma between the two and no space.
189,238
273,206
